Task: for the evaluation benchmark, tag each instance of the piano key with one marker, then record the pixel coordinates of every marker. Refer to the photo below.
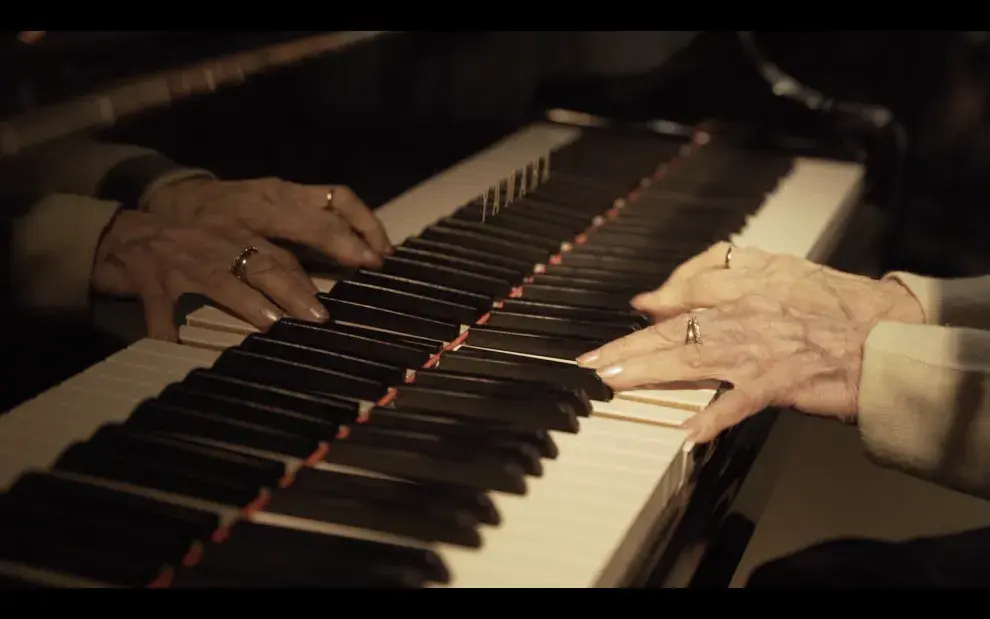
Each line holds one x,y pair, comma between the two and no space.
551,346
405,302
471,277
402,284
549,325
581,314
516,265
486,242
389,320
387,374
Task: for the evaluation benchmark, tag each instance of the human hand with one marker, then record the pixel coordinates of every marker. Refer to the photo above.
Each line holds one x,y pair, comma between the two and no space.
704,281
272,208
772,354
144,255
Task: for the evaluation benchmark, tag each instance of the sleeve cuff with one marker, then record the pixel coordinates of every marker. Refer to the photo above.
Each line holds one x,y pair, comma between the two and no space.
922,407
132,181
963,302
52,251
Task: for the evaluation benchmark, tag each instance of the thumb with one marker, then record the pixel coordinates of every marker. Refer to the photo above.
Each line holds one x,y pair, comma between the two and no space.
731,408
664,302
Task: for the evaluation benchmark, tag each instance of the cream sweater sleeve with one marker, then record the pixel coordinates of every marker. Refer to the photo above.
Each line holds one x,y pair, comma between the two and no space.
925,389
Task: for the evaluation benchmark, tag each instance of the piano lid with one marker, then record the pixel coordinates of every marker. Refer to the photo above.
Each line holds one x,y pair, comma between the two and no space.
83,81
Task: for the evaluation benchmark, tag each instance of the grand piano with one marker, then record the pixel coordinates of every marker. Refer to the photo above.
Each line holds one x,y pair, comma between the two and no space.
436,432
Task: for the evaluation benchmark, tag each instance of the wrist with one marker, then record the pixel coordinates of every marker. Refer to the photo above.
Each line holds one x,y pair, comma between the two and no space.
165,198
903,305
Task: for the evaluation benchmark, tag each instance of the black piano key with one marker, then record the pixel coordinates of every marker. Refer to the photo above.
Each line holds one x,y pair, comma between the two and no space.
482,362
158,547
577,297
296,376
433,268
554,214
429,458
548,325
567,401
555,347
495,445
583,314
618,265
158,417
242,408
479,265
366,344
518,220
427,347
427,289
293,576
616,288
100,502
353,365
666,258
225,465
549,244
45,548
581,197
333,409
455,427
471,405
389,320
390,514
633,280
283,548
517,266
405,302
94,461
454,236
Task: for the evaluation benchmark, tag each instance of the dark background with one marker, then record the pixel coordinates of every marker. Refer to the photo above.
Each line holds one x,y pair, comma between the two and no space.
385,116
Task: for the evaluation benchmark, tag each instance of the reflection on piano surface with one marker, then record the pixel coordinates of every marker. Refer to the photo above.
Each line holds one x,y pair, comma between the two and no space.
436,432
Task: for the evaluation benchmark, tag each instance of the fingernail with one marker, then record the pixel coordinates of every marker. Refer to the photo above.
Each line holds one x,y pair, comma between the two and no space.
271,315
638,300
609,372
588,359
369,256
319,313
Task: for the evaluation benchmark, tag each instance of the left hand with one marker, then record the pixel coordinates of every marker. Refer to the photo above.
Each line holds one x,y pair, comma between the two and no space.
272,208
772,354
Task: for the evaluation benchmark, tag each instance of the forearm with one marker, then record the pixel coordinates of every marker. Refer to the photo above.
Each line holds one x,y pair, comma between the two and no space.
963,302
117,172
925,403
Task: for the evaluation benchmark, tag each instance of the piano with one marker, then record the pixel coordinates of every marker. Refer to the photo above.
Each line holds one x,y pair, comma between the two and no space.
435,433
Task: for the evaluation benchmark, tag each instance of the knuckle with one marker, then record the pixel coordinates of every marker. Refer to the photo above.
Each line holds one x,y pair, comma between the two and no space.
693,357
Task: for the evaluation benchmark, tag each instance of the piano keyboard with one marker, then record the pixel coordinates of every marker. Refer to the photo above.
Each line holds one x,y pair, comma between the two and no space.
436,433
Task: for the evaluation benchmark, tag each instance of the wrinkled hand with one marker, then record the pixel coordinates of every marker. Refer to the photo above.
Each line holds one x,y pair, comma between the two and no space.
704,282
273,208
772,354
158,261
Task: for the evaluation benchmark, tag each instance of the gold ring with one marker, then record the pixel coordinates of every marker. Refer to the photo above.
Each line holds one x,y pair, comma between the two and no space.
240,262
728,257
693,332
330,206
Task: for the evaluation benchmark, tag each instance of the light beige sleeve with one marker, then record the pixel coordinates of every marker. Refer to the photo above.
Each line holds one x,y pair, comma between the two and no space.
82,166
962,302
924,403
52,249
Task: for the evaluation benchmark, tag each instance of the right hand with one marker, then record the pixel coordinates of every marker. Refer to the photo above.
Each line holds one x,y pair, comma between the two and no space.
704,281
158,261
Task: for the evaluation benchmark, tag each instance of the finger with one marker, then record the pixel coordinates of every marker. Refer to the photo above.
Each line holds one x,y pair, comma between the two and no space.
704,290
712,259
215,281
331,235
357,214
159,306
661,336
730,409
266,274
687,364
288,262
